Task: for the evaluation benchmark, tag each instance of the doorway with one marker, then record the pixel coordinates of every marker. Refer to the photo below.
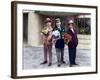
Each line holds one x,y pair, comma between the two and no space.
25,27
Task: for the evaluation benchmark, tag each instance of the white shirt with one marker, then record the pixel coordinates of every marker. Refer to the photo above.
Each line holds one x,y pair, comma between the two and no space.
72,30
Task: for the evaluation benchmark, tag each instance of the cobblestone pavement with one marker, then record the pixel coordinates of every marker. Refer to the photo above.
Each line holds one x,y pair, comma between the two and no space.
33,56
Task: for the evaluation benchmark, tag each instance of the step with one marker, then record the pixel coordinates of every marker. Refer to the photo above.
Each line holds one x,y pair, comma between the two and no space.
84,42
84,37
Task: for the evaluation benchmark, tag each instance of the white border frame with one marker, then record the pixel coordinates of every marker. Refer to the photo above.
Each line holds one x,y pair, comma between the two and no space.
68,70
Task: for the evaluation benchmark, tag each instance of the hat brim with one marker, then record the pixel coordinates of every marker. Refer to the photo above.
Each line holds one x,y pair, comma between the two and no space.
70,23
48,21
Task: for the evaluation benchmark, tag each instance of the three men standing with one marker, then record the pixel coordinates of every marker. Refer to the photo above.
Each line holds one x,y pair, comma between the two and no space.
56,34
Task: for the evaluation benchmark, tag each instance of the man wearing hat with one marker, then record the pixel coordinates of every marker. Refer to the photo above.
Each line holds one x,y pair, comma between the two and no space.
59,43
47,42
72,45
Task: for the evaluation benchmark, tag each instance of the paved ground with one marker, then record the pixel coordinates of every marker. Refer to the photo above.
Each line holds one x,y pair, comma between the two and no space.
33,56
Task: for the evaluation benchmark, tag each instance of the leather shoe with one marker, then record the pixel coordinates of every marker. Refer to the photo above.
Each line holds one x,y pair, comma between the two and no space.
44,62
63,62
49,64
59,65
71,65
75,64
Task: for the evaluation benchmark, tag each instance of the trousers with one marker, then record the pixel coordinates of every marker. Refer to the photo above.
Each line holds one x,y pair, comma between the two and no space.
72,55
60,55
48,52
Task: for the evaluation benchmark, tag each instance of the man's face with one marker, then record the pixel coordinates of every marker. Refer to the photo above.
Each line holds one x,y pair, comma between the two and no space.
48,23
58,24
70,25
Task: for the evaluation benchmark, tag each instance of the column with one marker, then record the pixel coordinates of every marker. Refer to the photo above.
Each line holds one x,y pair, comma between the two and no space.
34,28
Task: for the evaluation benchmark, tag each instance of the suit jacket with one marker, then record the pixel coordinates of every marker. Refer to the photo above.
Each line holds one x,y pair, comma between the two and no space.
60,42
74,41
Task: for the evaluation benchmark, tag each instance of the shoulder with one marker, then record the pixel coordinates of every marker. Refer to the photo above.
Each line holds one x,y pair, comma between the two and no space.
51,29
62,27
55,28
68,30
